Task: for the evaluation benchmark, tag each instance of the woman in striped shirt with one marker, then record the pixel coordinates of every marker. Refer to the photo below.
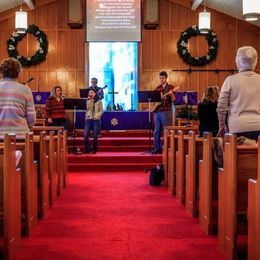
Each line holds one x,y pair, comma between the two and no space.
17,112
54,109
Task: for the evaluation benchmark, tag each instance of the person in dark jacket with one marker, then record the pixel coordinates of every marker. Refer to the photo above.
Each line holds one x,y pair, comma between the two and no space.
207,111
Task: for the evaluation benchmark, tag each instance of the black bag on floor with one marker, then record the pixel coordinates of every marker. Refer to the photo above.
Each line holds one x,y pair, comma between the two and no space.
156,175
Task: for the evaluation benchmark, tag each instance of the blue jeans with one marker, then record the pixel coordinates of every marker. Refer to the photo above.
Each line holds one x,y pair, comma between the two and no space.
161,119
94,125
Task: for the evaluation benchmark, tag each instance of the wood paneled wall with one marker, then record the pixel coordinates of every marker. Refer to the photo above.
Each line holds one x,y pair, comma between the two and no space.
65,63
67,60
159,52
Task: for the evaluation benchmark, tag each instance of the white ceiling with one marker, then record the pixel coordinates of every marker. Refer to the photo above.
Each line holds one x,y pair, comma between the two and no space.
230,7
9,4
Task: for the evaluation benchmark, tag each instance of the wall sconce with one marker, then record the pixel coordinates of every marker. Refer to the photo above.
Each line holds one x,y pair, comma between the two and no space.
251,10
21,21
204,20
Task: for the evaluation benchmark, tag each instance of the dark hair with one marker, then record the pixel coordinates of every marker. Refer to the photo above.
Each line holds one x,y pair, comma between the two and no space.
96,98
163,74
53,92
10,68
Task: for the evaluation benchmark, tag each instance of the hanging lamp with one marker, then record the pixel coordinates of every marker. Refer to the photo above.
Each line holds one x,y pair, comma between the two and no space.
251,10
21,21
204,20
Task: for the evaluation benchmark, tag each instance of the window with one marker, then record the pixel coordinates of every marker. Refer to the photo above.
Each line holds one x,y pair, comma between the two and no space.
115,65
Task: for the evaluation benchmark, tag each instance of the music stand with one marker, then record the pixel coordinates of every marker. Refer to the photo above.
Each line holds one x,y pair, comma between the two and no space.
75,104
83,92
149,96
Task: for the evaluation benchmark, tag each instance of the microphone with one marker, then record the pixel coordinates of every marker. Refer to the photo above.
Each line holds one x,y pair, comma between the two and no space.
28,80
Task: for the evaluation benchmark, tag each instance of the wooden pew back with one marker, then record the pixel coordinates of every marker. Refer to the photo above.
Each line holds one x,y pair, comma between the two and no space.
40,155
10,198
240,164
194,154
29,184
207,179
172,162
182,147
254,213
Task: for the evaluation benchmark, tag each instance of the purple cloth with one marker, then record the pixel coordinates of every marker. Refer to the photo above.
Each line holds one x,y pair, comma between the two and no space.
192,98
113,120
39,97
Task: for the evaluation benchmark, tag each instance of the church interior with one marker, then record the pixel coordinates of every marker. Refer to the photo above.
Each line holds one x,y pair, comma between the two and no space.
142,124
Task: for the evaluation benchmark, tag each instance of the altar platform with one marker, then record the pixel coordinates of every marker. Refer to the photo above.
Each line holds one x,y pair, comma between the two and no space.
118,120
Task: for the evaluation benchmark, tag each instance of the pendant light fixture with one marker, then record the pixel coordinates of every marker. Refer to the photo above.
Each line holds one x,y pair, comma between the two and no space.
21,21
251,10
204,20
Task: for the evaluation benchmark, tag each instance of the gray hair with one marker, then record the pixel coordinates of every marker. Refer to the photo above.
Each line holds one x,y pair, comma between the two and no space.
246,58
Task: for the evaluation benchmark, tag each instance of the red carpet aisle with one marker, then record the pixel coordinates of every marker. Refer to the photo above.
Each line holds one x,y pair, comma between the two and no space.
117,216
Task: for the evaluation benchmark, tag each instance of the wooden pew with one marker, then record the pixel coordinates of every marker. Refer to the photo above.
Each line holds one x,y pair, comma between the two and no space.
172,163
168,130
194,154
180,167
65,158
165,154
208,184
29,184
253,214
240,164
10,199
38,129
62,148
40,155
53,168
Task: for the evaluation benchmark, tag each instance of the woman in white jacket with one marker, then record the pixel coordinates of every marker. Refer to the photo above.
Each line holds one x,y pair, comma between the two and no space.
93,120
239,100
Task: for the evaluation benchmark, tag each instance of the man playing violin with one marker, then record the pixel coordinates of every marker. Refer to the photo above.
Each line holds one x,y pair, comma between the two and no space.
163,112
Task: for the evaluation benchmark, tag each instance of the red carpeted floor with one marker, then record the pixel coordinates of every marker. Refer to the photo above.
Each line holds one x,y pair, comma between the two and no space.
117,216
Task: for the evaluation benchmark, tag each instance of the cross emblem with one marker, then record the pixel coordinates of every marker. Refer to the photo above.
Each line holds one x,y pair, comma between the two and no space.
114,121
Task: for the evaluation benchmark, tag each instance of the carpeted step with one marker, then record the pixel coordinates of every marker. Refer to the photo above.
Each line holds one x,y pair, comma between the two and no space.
114,141
110,167
110,148
103,157
119,133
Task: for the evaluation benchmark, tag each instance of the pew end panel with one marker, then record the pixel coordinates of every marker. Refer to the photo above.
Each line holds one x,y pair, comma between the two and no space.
29,185
10,199
253,219
53,169
172,164
206,183
240,164
180,168
194,154
166,148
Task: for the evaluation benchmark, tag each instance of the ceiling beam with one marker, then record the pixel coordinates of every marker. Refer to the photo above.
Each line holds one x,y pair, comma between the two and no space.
196,4
30,4
185,3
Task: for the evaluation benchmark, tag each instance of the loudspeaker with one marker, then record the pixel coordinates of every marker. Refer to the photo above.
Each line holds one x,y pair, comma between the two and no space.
75,14
151,14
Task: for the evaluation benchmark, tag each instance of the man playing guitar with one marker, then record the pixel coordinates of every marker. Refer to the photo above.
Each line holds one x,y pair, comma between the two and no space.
163,112
100,92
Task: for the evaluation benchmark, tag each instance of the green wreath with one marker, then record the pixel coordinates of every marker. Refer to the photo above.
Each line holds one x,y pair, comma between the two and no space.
182,47
40,54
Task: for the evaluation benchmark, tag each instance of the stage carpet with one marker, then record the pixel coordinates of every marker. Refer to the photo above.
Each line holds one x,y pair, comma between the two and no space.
118,151
117,216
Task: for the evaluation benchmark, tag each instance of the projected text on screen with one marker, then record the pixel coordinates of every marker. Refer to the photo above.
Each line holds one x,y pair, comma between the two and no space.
113,20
